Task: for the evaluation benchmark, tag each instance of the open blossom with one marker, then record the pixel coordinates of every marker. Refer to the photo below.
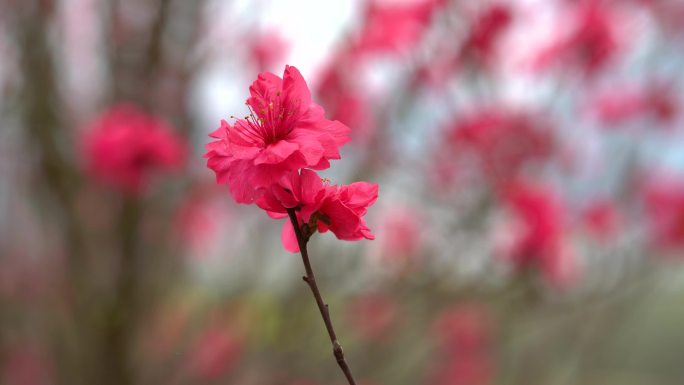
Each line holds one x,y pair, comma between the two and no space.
285,131
320,206
125,146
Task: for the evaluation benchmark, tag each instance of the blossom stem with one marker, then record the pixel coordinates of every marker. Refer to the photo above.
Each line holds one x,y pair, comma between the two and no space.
310,279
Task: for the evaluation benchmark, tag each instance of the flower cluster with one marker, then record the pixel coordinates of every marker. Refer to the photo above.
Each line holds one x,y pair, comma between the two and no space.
268,159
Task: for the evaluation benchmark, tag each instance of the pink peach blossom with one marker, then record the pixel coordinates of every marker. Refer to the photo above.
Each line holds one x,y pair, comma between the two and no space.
285,131
125,146
323,207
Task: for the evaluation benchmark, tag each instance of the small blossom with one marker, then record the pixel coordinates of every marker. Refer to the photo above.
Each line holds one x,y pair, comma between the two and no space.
124,147
285,131
320,206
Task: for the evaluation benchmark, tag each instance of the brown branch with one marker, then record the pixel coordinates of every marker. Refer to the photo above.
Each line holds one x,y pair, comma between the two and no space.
310,279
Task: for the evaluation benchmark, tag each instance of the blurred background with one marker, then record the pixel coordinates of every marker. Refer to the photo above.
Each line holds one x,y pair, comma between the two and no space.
530,224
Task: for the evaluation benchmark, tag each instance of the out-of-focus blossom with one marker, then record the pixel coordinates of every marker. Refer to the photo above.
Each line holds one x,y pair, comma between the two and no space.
623,104
267,50
664,205
24,365
285,131
601,219
591,42
125,147
464,334
477,51
320,206
502,143
198,220
485,33
214,354
540,228
668,13
401,238
25,280
373,315
391,27
345,102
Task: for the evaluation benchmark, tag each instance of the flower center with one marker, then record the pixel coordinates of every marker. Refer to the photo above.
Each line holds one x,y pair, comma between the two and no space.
273,122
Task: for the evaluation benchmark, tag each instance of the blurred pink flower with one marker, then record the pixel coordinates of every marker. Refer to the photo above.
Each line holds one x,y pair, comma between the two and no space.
267,49
394,27
590,44
485,33
323,207
125,147
464,334
24,365
402,229
285,131
476,52
373,315
655,101
214,354
199,218
601,218
540,242
502,142
664,205
345,103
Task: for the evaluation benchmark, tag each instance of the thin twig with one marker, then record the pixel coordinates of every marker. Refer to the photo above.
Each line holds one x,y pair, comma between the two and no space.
310,279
